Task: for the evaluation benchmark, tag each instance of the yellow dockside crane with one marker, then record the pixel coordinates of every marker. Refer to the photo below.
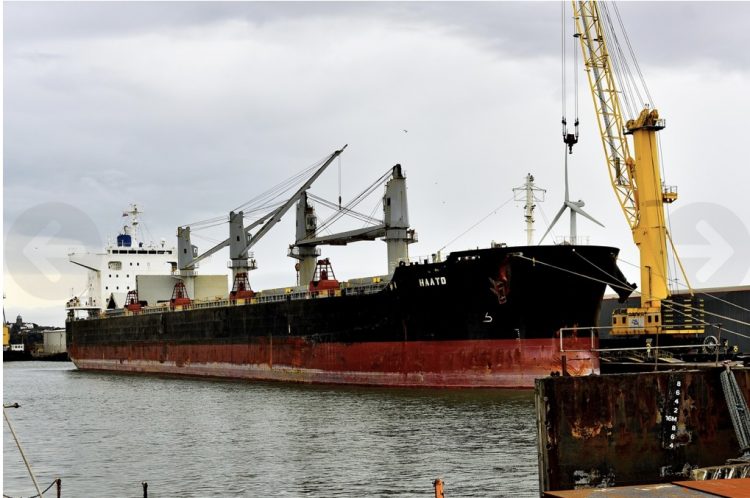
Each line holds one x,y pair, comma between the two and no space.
638,186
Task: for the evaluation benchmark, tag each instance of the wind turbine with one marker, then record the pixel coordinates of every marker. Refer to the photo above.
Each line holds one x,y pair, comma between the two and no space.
576,207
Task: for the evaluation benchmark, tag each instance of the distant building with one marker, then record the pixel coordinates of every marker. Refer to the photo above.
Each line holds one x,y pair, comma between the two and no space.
54,341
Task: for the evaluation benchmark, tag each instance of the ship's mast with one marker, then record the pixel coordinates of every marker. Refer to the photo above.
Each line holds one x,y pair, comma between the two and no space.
530,194
132,228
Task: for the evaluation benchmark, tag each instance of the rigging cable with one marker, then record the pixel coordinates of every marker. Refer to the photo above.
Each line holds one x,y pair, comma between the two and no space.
632,55
350,212
668,301
726,302
671,255
263,200
602,270
377,205
537,261
546,222
477,223
355,201
723,317
713,325
620,67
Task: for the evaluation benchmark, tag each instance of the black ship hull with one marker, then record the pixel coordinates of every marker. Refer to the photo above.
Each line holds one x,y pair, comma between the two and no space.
496,317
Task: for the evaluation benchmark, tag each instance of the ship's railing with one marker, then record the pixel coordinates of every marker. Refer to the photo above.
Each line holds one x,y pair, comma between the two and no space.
349,290
649,352
436,257
580,240
114,313
579,333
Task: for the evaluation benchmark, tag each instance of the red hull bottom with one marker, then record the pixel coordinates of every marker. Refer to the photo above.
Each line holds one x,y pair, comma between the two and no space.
468,363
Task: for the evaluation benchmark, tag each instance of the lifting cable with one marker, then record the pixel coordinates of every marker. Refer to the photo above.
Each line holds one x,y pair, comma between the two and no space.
570,140
339,182
354,214
562,60
631,81
354,202
632,54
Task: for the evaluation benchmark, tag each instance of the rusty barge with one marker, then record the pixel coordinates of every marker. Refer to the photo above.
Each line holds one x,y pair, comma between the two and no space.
642,428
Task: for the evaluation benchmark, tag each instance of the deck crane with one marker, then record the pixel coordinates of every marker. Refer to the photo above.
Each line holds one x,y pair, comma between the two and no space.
241,239
393,229
638,186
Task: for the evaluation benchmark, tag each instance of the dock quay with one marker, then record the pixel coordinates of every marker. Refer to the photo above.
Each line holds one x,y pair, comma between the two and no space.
733,488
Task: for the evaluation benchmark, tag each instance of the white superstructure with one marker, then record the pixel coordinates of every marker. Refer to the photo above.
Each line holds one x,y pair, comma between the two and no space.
111,274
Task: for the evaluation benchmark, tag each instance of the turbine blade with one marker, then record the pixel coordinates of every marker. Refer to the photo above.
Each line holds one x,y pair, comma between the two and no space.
559,213
584,213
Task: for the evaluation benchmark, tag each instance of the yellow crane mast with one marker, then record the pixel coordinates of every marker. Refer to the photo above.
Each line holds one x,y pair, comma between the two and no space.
637,184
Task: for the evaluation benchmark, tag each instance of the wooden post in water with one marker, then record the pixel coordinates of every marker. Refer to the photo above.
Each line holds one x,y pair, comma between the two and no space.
145,489
59,487
438,485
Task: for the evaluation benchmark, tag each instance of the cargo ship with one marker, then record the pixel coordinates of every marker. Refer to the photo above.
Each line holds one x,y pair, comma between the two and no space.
490,317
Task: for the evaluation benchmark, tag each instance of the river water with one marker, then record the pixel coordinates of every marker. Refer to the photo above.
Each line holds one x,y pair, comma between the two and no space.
103,434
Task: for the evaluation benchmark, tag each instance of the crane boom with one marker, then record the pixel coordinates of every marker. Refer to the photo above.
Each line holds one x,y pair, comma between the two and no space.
636,181
607,105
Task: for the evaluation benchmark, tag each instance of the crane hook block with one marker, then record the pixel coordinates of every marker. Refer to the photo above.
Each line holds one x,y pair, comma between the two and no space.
570,140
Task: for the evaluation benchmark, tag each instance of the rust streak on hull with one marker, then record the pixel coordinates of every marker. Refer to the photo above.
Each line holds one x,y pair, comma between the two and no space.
467,363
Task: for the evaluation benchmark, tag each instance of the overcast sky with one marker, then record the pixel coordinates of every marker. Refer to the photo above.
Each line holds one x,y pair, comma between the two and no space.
190,109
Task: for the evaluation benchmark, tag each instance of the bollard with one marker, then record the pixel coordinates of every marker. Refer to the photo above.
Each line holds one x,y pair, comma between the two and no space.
145,489
59,487
438,485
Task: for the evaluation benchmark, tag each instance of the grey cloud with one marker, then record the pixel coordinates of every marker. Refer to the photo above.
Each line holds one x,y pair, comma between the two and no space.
667,33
